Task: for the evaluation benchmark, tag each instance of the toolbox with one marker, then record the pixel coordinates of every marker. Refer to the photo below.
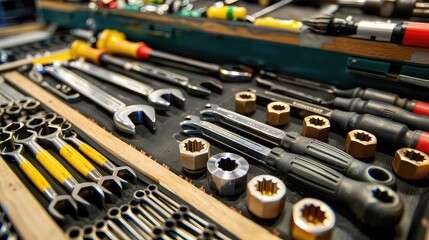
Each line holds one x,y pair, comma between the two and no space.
155,155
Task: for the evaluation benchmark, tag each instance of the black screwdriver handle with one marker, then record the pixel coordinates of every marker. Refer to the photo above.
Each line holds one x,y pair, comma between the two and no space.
385,110
385,130
338,160
373,204
373,94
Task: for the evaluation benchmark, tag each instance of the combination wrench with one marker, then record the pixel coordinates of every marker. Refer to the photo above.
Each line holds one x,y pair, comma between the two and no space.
59,205
328,155
124,116
371,203
159,98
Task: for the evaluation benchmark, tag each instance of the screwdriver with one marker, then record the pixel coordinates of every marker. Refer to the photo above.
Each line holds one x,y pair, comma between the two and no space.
400,9
415,106
405,33
358,105
384,129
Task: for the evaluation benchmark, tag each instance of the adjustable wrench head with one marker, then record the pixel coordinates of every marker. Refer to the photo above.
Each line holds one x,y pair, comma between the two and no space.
88,192
209,111
191,125
63,205
235,73
126,117
162,98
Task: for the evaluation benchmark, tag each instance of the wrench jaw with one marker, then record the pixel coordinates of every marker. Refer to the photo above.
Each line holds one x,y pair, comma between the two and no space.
213,85
61,206
197,91
31,106
14,111
110,185
125,175
162,98
36,123
235,73
190,125
13,128
208,113
86,193
126,117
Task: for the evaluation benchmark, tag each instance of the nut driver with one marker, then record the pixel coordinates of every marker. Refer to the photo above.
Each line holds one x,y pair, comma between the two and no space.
371,203
159,98
115,42
358,105
59,205
326,154
82,193
124,116
415,106
51,135
385,130
192,86
124,173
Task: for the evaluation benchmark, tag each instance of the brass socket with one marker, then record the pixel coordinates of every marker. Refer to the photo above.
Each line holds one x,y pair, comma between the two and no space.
411,164
317,127
312,219
194,154
266,196
360,144
278,113
245,103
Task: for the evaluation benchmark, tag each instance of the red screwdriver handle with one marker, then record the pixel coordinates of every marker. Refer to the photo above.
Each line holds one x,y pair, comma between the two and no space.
416,34
423,143
421,108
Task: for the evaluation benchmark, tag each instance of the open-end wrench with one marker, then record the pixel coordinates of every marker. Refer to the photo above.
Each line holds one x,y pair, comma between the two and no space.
192,86
83,193
159,98
121,112
10,93
328,155
371,203
124,173
59,205
52,135
115,42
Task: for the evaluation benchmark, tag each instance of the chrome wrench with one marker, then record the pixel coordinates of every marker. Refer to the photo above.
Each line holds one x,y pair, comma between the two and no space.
124,116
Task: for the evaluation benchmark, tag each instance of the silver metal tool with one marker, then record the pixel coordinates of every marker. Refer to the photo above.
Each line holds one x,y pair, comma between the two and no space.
143,227
82,193
269,9
159,98
10,93
51,135
59,205
114,214
124,116
124,173
371,203
328,155
90,232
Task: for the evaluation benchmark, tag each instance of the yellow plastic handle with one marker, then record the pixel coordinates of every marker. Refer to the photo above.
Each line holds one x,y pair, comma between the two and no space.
115,42
93,154
54,167
76,160
278,23
227,12
62,56
35,176
81,49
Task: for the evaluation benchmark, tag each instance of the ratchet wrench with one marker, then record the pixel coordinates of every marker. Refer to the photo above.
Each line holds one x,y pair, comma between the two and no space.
371,203
124,116
328,155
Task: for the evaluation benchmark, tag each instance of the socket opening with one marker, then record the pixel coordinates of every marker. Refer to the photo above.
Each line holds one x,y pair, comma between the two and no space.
157,231
382,195
124,208
378,174
87,230
100,225
278,107
267,187
74,233
246,96
227,164
194,146
114,212
362,136
415,156
317,121
139,194
313,214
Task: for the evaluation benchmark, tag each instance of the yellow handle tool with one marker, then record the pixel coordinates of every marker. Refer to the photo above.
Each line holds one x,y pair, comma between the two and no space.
227,12
77,160
93,154
80,49
34,175
115,42
278,23
54,167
